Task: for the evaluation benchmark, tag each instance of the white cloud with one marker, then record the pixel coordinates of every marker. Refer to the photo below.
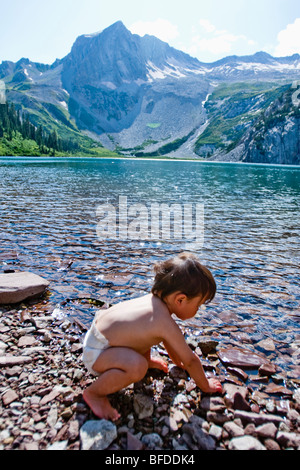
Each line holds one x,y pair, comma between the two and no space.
162,29
289,40
207,25
215,43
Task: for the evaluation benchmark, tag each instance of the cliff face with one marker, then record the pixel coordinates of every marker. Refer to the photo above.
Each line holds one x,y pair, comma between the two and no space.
275,135
279,145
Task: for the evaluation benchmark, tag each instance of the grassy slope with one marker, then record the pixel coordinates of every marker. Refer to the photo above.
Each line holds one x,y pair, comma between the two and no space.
231,109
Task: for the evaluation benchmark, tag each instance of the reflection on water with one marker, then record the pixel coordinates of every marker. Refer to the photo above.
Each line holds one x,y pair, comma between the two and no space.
48,225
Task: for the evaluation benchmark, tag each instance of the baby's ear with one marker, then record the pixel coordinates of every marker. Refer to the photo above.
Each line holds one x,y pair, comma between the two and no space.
180,297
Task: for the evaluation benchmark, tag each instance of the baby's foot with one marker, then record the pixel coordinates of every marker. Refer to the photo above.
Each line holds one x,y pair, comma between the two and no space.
158,363
100,406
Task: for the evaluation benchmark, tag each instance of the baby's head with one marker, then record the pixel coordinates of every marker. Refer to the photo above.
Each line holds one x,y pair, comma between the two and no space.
184,274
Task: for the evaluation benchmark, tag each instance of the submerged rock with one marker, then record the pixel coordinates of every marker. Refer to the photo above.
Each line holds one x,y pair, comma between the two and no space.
243,358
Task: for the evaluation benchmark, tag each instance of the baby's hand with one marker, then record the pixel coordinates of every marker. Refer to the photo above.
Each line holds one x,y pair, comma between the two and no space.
214,386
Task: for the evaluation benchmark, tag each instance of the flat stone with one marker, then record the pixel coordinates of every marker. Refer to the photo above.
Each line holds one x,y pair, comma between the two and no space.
243,358
278,389
10,361
26,341
238,373
9,397
267,344
16,287
257,418
50,397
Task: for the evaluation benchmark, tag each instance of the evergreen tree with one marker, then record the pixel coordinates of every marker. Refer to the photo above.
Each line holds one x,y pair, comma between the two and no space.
12,121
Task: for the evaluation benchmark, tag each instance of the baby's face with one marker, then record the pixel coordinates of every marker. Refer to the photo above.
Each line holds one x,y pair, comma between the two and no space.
189,307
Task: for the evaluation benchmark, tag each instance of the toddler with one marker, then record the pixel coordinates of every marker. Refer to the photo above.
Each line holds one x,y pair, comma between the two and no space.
117,347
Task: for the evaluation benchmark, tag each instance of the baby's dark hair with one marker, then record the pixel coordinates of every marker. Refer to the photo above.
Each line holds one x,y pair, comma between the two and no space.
184,274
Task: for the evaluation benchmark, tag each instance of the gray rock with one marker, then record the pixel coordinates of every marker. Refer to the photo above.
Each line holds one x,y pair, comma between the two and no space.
245,443
16,287
152,441
195,430
97,435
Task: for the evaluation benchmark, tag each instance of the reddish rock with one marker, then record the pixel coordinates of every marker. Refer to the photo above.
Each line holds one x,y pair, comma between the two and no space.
238,372
50,397
26,341
9,397
257,418
278,389
268,430
267,369
243,358
270,444
10,361
16,287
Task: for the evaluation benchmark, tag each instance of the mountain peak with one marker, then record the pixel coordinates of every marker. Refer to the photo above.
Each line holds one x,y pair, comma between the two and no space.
117,25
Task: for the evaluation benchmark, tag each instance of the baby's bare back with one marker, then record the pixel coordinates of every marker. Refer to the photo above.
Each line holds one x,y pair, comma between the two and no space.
136,324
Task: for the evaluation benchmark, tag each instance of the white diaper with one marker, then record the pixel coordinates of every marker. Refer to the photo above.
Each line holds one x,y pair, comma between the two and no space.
94,344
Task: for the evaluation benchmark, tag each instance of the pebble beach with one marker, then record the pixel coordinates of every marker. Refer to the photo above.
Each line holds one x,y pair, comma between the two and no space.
42,380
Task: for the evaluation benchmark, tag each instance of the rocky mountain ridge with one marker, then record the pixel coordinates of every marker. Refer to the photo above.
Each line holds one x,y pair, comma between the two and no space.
139,96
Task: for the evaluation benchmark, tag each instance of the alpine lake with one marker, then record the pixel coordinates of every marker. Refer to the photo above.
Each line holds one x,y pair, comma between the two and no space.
245,228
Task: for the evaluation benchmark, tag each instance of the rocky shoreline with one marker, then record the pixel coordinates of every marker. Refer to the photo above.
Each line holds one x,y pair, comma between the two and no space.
42,379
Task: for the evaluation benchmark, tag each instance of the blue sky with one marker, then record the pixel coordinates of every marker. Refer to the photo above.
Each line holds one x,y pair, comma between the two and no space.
206,29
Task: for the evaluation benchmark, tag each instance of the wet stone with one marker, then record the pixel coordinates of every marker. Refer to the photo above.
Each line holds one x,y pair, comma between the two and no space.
242,358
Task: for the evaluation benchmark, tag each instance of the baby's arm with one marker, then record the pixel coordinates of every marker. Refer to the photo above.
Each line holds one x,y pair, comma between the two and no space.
176,345
156,362
173,355
196,371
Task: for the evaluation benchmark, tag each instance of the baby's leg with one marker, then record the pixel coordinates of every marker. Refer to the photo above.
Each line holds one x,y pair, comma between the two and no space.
119,367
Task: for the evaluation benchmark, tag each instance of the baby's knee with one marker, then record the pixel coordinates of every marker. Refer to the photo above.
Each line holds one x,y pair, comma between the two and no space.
140,368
